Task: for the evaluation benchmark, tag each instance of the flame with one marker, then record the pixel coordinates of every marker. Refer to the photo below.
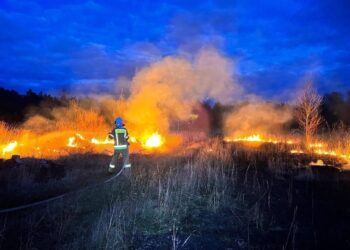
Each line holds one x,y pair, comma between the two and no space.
53,145
296,151
9,147
317,148
154,141
251,138
320,149
72,142
100,142
316,145
81,137
256,138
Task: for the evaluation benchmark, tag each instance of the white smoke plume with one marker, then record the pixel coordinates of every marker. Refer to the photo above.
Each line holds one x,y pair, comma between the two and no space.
168,89
257,117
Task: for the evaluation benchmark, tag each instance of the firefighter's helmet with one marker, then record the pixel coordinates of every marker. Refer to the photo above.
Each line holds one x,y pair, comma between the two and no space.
119,122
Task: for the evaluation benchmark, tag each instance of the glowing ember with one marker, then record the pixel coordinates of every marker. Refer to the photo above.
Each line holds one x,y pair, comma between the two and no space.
254,138
72,142
296,151
98,142
9,147
325,152
81,137
133,139
154,141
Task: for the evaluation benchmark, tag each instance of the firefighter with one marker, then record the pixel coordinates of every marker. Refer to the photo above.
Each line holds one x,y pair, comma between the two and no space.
121,145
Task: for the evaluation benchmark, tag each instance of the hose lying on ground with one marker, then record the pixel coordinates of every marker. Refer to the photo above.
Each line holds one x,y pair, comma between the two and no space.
34,204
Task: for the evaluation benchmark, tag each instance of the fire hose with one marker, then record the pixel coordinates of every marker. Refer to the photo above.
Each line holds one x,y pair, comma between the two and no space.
38,203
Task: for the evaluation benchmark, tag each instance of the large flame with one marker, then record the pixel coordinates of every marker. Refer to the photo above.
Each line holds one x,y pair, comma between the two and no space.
154,141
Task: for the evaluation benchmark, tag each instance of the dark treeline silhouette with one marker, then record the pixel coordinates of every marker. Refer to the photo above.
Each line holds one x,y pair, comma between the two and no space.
336,109
14,107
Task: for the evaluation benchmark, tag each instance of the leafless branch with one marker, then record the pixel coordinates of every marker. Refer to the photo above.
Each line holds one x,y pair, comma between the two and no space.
308,111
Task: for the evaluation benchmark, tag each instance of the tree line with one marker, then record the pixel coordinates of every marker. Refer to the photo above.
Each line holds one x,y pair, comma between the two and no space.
335,109
15,107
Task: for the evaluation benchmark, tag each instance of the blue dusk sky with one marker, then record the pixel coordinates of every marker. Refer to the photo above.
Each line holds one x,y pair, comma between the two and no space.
54,45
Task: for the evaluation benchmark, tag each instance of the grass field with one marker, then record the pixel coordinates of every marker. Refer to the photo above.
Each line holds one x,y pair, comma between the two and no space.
214,196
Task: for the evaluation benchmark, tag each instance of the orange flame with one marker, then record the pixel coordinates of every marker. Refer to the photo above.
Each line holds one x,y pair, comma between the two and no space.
256,138
317,148
100,142
52,145
154,141
9,147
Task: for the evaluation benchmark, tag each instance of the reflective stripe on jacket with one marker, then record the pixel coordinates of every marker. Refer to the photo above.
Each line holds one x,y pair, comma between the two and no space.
120,136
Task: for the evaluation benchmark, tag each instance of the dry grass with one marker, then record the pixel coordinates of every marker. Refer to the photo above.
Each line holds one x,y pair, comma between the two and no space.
337,140
214,197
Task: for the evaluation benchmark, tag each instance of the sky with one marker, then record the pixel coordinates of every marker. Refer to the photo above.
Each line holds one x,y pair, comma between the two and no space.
55,46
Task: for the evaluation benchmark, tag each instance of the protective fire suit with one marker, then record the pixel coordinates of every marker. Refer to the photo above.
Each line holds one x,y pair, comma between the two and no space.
121,146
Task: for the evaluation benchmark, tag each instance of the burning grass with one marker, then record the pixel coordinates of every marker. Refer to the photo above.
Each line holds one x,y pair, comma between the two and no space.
63,140
7,139
335,144
85,132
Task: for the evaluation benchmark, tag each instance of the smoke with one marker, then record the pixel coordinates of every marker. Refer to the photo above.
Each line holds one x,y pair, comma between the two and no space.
83,115
163,93
167,90
159,95
257,117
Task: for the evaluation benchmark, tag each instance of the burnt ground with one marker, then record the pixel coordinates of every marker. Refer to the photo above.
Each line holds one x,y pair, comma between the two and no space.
218,198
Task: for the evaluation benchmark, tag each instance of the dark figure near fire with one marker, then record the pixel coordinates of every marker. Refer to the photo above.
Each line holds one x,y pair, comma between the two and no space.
121,145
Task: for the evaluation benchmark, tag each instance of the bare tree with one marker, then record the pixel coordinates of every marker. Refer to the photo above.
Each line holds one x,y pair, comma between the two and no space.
308,111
